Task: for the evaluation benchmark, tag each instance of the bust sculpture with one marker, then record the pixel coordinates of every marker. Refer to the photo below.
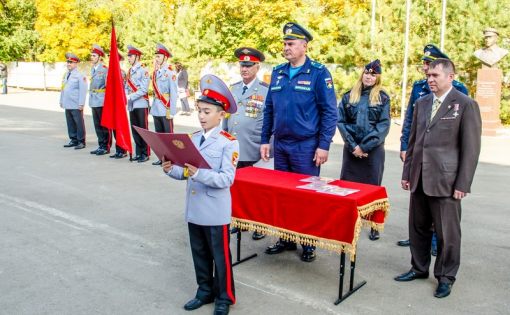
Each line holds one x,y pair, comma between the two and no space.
492,53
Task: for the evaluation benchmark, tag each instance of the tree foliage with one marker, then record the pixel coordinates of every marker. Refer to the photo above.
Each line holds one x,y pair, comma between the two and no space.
199,31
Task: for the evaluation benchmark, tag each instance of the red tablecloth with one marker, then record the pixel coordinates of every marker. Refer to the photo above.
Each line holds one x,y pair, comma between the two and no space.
269,202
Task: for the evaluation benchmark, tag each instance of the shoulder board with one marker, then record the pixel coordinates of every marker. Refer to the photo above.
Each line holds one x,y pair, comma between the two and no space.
347,93
457,83
194,133
236,83
279,66
384,95
419,82
264,84
227,135
316,64
170,67
105,67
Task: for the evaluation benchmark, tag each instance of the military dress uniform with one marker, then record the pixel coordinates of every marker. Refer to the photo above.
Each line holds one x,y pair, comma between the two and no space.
246,123
72,97
421,89
164,104
137,85
301,114
97,88
209,205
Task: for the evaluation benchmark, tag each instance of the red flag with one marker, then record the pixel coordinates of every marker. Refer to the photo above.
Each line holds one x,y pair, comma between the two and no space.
114,110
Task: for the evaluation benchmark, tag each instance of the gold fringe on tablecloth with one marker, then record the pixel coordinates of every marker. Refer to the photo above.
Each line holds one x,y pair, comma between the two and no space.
303,239
366,211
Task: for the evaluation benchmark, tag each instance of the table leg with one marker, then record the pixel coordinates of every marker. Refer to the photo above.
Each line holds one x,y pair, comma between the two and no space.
352,288
238,254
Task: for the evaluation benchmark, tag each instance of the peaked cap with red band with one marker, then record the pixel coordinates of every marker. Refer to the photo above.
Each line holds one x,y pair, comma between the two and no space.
96,49
132,50
161,49
72,57
248,56
216,92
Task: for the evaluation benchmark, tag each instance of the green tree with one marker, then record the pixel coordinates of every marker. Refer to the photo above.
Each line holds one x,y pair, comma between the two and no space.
18,39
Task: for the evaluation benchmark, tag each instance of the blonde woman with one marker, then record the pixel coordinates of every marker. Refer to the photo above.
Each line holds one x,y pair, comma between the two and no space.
364,122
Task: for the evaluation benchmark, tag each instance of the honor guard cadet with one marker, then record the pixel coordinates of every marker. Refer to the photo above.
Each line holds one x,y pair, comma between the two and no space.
420,89
301,114
246,123
164,83
137,86
208,199
120,152
72,99
97,88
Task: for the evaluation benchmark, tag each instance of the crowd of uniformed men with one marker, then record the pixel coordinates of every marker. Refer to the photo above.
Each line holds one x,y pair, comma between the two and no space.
296,117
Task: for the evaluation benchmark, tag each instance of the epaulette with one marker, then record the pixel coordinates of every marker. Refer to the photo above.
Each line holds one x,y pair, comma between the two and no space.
236,83
419,82
194,133
316,64
384,96
105,67
227,135
279,66
264,84
457,83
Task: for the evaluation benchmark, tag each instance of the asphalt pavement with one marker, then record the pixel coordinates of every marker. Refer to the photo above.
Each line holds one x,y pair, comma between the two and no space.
83,234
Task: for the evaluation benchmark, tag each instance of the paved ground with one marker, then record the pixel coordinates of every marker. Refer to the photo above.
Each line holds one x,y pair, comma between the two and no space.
81,234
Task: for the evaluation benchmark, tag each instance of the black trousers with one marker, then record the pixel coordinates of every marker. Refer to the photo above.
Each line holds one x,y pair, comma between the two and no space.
163,125
444,213
210,248
75,125
241,164
140,117
104,135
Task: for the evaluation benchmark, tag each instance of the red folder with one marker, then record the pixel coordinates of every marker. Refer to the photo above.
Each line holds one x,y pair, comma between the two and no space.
175,147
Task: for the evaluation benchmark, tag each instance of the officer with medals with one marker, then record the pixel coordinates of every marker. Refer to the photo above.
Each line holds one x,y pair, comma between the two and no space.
301,114
164,104
72,99
97,88
420,89
246,123
137,85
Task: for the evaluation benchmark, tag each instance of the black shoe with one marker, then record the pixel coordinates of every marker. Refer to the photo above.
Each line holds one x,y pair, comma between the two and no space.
143,158
95,151
234,230
113,155
410,276
80,146
308,255
158,162
194,304
221,309
374,235
257,236
102,151
280,247
136,158
404,243
71,144
119,155
443,290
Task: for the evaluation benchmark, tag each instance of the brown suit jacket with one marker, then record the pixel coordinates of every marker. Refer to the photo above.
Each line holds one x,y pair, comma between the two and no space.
445,152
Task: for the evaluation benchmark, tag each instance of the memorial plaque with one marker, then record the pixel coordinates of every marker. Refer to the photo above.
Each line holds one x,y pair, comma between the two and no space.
488,96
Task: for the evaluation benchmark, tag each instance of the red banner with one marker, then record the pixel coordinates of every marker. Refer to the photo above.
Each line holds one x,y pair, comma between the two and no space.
114,110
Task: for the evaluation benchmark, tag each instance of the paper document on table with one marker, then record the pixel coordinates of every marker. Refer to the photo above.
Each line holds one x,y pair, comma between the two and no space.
316,179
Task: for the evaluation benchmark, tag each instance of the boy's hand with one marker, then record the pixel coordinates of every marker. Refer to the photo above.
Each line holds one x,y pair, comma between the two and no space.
167,165
191,169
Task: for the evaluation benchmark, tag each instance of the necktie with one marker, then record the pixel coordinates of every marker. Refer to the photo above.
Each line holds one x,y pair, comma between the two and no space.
244,89
68,75
202,140
435,107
